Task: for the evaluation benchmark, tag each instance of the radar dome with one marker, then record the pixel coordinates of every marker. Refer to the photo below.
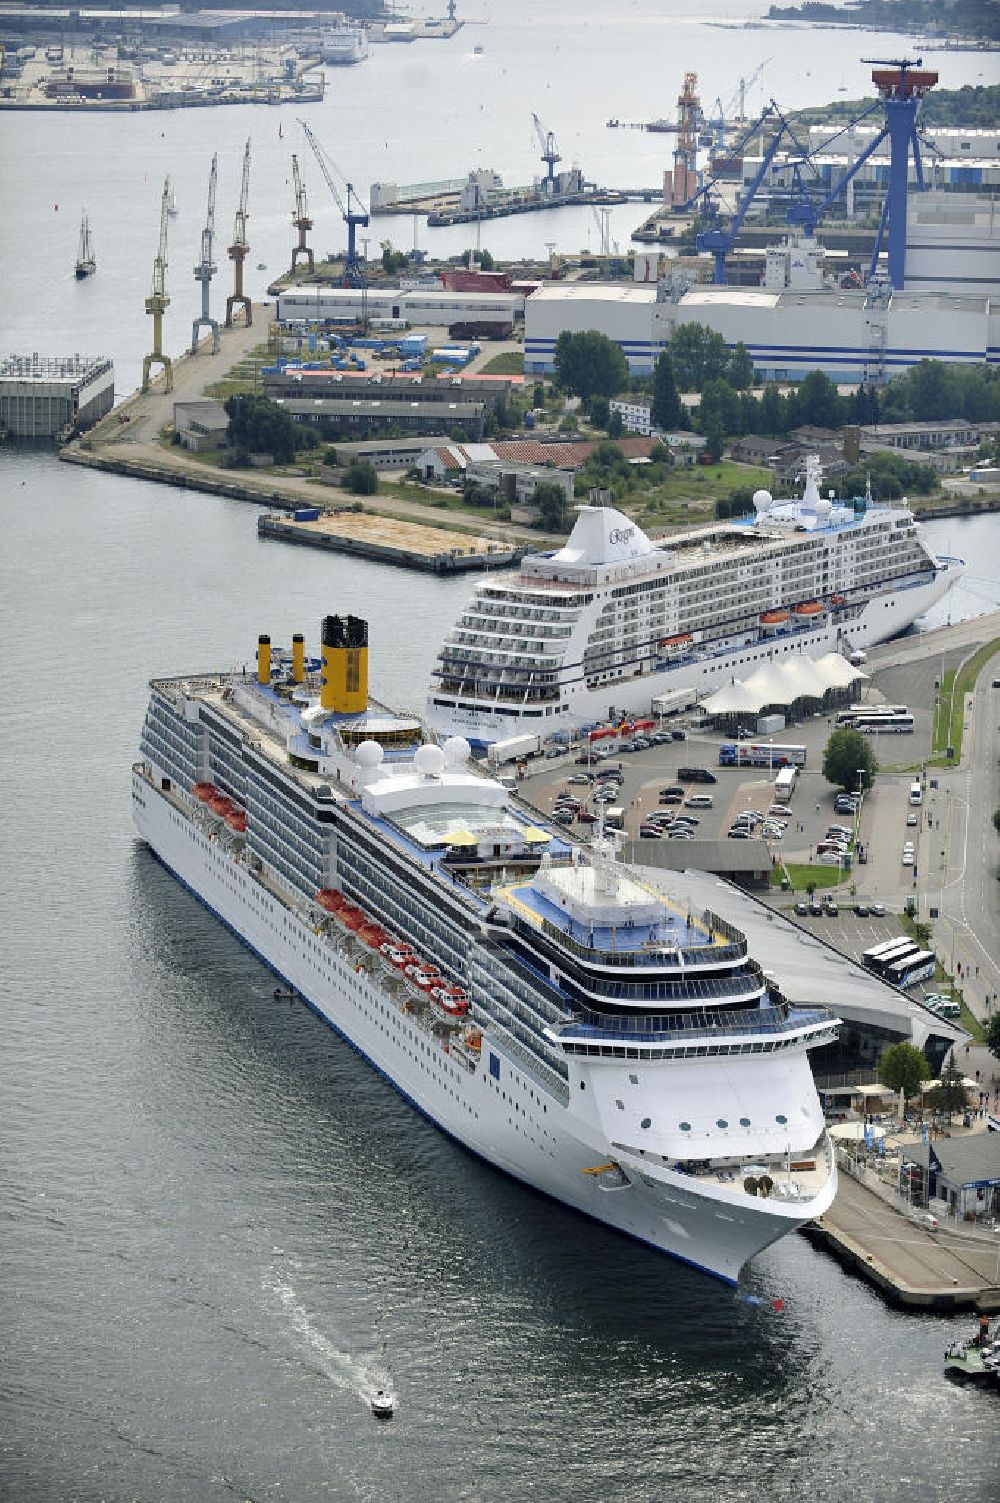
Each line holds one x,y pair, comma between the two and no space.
369,754
429,761
762,500
823,507
456,751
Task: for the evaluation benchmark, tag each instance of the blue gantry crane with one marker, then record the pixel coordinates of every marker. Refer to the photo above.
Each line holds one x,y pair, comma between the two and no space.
353,213
718,238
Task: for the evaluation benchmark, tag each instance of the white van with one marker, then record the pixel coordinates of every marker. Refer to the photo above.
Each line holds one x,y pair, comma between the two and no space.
614,819
698,801
916,794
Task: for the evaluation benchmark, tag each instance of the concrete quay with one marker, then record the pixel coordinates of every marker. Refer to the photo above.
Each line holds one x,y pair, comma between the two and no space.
909,1264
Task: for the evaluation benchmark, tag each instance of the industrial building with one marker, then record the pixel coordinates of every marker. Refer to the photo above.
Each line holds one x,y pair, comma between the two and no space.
851,335
433,308
357,415
48,397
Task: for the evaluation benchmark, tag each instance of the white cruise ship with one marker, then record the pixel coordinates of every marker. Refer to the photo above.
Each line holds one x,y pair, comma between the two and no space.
533,997
611,619
345,44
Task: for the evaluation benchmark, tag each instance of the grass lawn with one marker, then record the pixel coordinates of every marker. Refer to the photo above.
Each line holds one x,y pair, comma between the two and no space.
949,715
818,873
509,363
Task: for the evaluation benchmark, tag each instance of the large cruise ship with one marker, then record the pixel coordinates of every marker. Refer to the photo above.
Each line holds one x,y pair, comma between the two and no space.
345,44
611,619
540,1002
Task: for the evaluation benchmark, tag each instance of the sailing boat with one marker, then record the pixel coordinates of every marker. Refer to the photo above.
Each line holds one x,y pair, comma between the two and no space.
86,264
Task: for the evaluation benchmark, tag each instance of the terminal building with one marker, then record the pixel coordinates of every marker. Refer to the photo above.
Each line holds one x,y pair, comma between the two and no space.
48,397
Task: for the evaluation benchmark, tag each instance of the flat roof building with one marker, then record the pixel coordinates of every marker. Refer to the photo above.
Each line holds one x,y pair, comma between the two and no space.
54,396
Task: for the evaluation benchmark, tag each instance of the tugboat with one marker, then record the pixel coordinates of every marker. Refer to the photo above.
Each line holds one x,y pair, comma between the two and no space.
977,1359
86,263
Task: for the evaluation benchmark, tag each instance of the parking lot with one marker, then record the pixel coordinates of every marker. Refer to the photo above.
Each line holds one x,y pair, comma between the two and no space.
883,826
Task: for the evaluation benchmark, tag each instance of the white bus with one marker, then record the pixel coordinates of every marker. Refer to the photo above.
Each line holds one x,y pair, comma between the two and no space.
916,794
887,953
883,725
912,968
848,716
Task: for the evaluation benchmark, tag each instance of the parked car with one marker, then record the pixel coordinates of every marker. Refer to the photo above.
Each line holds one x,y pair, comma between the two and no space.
834,830
877,910
911,818
672,798
586,817
739,833
650,832
678,735
830,908
581,777
815,909
696,775
779,811
801,908
687,819
907,858
862,910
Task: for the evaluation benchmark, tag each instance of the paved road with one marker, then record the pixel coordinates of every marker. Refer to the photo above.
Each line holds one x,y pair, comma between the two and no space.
913,1257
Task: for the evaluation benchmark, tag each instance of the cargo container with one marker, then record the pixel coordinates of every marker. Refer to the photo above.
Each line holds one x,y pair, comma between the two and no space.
769,725
306,514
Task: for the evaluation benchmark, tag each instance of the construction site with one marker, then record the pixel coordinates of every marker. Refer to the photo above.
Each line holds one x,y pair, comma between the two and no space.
110,77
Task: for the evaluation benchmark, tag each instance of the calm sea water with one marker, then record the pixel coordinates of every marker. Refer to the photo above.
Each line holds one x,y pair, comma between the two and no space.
213,1216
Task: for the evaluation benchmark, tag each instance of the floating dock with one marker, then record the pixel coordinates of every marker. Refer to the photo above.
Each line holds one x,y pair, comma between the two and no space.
389,540
54,396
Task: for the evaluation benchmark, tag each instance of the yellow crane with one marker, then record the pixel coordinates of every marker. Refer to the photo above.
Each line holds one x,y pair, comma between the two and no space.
239,249
158,301
301,219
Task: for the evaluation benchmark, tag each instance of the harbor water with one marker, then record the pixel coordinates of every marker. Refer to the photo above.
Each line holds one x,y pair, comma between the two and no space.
217,1222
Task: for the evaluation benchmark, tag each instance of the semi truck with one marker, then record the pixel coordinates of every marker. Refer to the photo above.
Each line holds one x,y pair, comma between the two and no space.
784,784
513,749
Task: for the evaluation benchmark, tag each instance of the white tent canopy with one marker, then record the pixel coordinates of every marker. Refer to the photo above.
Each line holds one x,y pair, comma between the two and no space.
798,677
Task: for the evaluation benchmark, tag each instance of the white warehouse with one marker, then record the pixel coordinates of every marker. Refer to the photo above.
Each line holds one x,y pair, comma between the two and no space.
852,336
419,306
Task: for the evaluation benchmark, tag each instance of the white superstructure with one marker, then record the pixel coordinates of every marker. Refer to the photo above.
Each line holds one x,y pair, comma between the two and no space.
345,44
587,1033
610,619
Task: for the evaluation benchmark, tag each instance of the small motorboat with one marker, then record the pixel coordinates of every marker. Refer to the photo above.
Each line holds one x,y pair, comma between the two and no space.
977,1359
382,1403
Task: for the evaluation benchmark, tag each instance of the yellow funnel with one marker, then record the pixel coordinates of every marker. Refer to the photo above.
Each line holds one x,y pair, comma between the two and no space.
263,660
298,658
344,686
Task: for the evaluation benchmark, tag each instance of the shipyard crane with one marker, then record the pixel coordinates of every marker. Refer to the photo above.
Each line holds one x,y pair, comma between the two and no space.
301,219
733,112
550,154
206,268
158,300
352,217
239,250
720,239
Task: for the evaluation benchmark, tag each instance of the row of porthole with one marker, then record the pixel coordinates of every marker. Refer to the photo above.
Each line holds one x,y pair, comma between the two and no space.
781,1119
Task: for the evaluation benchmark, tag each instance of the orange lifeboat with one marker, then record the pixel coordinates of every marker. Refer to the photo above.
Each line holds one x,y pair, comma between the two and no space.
330,899
675,643
237,820
204,791
774,618
808,608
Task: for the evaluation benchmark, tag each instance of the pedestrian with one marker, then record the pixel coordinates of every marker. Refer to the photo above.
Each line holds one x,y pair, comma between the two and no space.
817,808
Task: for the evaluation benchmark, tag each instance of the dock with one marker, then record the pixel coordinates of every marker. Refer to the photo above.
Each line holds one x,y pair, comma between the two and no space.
390,540
910,1264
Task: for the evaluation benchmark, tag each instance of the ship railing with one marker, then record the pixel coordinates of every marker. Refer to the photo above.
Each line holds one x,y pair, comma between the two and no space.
662,1027
743,986
660,955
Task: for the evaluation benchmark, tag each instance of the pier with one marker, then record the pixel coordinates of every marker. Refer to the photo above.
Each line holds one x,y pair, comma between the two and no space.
391,540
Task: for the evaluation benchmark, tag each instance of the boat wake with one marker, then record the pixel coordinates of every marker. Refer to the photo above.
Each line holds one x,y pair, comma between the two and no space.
342,1368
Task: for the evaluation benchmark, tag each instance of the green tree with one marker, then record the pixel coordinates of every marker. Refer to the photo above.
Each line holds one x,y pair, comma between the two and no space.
551,501
740,372
849,753
482,258
698,355
819,403
615,425
667,410
361,478
949,1094
993,1035
771,411
715,440
589,364
260,426
902,1067
599,411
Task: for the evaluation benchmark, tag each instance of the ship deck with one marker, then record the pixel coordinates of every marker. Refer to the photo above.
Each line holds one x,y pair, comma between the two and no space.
674,929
